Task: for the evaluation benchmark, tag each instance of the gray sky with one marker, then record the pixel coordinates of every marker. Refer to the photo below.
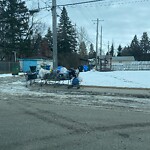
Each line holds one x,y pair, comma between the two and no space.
122,18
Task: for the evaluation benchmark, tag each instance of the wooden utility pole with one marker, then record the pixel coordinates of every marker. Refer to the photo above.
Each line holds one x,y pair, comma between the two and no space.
100,54
97,34
97,42
54,23
101,41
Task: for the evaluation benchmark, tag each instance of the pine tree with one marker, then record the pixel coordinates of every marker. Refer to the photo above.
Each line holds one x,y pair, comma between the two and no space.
119,50
82,50
37,46
126,51
67,42
66,34
92,53
49,38
2,30
145,43
47,44
112,50
135,48
15,24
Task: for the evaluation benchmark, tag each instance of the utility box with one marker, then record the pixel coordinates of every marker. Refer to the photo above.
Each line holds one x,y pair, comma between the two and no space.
15,69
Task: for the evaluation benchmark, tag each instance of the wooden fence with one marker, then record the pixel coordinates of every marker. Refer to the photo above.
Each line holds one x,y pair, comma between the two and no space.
9,67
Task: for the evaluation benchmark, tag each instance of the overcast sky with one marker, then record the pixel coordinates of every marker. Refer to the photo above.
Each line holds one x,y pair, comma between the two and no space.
122,18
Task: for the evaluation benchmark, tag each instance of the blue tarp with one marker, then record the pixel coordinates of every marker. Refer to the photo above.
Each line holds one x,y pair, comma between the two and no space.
85,68
75,81
59,67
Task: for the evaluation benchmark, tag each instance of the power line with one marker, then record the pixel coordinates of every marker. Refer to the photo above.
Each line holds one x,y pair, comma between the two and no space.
104,3
79,3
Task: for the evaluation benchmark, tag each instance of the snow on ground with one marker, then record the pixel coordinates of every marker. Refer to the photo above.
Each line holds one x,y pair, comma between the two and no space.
13,87
134,79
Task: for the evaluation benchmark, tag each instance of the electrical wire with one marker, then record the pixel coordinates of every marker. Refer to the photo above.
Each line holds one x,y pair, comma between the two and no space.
80,3
102,4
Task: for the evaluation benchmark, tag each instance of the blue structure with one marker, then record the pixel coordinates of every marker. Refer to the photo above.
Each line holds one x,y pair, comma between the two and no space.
26,63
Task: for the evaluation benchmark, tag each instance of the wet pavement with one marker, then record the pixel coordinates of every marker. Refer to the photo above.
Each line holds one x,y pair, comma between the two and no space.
58,118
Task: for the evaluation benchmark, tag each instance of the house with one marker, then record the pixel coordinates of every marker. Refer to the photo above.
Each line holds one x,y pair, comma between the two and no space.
123,63
25,63
123,59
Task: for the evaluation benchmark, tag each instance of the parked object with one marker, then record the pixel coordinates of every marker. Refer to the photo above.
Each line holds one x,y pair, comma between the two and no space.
55,77
31,75
59,76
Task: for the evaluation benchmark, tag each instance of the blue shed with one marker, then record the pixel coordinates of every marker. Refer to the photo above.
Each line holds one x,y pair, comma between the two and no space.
25,63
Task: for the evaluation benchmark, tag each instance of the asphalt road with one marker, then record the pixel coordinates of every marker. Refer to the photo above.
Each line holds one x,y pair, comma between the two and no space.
47,118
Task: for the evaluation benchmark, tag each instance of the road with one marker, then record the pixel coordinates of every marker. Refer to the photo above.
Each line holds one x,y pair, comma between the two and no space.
48,118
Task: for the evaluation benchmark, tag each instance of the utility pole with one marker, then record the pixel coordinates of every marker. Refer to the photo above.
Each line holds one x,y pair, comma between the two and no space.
101,41
100,54
97,34
97,42
54,23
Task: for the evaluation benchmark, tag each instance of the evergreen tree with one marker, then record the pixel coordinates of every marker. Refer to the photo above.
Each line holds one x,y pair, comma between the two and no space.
92,53
82,50
145,43
67,42
135,48
15,24
2,30
119,50
126,51
47,44
112,50
66,34
49,38
37,46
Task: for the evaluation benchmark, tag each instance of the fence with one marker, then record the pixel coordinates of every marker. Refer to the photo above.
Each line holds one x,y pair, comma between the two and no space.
9,67
136,65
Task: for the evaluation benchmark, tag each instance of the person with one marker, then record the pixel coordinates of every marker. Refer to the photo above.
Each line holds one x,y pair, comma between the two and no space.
75,82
